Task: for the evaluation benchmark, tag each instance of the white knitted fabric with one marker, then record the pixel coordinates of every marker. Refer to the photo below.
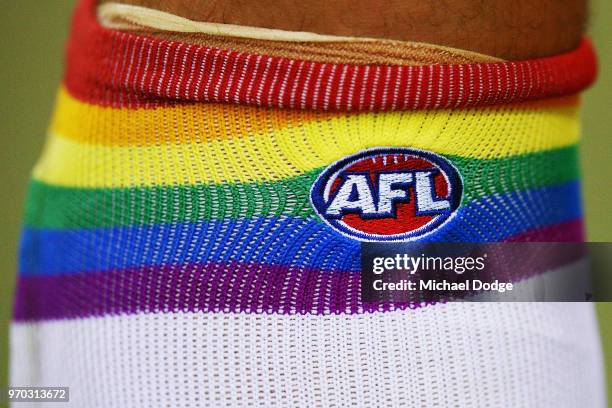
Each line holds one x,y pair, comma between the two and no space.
454,355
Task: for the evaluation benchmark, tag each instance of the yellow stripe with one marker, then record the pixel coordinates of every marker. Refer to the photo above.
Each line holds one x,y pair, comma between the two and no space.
180,123
297,147
185,123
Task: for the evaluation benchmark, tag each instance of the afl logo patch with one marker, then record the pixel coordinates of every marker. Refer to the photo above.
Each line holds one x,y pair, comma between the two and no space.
388,194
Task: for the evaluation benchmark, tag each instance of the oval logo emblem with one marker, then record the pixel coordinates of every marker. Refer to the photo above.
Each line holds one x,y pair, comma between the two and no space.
388,194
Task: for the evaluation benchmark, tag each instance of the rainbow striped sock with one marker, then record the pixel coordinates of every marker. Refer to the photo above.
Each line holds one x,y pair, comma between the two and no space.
170,242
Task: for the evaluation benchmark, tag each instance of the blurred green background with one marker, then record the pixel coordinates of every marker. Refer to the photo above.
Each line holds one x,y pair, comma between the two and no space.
31,46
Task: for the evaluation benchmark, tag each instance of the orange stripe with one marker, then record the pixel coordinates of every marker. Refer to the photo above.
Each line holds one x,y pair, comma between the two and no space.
176,123
182,123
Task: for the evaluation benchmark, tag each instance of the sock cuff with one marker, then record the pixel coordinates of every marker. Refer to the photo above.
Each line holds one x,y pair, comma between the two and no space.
280,43
116,68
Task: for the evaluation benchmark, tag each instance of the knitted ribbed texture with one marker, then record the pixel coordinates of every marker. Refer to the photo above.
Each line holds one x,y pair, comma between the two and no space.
217,197
122,69
170,244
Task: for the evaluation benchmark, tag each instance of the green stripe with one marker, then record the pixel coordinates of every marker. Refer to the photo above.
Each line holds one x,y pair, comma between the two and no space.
60,207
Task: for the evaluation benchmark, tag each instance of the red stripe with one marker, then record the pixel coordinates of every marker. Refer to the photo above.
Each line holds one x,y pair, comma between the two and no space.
109,67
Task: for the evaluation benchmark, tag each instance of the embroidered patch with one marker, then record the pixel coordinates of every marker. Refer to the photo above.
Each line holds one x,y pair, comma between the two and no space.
388,194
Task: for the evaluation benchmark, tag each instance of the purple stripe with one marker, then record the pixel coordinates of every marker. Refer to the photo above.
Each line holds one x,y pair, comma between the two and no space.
230,287
218,287
569,231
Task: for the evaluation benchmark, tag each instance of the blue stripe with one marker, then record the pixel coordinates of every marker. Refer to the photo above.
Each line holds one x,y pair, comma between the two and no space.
277,240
